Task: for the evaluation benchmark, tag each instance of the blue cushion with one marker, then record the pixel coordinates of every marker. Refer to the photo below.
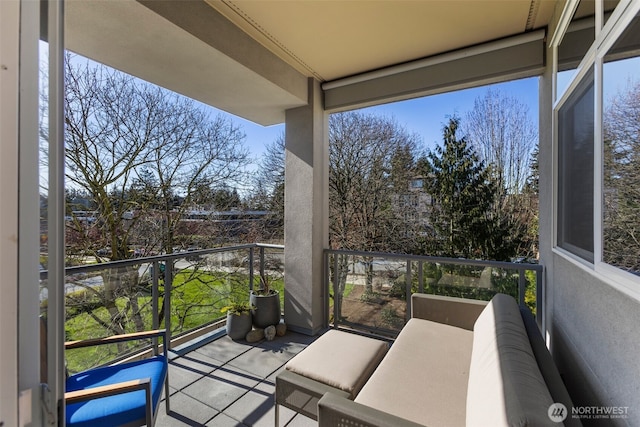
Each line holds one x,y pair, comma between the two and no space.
119,409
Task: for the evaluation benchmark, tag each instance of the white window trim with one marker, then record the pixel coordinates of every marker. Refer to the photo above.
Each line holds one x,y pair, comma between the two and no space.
563,23
584,67
616,277
573,84
598,162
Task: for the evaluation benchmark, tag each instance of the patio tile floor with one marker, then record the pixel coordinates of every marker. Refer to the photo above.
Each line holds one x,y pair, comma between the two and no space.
218,382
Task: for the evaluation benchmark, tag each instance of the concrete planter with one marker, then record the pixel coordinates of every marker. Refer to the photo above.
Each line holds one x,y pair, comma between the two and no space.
267,309
238,325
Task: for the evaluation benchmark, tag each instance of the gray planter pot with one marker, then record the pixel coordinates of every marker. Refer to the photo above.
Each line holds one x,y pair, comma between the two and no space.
267,311
238,325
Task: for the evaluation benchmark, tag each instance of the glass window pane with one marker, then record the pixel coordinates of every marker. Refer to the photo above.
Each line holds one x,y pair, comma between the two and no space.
575,171
575,43
621,141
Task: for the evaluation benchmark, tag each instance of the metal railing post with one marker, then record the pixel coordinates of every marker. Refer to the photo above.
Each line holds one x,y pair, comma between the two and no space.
261,249
155,321
336,297
539,299
522,286
168,282
325,290
420,277
155,267
251,268
407,279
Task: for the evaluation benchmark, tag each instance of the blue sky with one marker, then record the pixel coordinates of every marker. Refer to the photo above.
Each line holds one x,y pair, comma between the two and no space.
428,115
424,116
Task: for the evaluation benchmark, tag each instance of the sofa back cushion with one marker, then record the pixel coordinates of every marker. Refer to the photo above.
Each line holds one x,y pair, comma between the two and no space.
505,387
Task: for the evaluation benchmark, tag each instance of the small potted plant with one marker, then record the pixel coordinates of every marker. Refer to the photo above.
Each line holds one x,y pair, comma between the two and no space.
238,319
266,303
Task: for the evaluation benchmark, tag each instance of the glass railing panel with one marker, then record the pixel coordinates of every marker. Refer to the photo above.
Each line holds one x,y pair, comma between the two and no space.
203,284
127,296
372,292
269,265
104,302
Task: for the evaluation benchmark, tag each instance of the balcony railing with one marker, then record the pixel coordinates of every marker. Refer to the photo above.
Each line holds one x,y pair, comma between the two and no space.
371,291
125,296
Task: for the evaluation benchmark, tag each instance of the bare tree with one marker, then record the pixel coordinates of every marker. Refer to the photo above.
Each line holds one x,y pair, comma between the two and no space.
621,130
362,150
140,153
503,134
501,131
188,150
268,191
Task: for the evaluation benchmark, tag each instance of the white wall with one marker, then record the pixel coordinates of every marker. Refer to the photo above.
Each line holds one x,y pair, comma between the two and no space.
596,340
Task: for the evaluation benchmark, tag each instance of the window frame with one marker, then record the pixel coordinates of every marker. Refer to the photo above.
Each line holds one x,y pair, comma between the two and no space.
607,34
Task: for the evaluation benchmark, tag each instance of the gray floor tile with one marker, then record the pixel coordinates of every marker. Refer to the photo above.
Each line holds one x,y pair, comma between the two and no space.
183,371
233,377
301,421
202,361
222,387
291,343
185,411
224,349
272,378
266,387
256,408
223,420
286,416
260,361
251,408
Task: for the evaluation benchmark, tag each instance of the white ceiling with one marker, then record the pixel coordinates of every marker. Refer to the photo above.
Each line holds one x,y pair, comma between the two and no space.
252,58
331,39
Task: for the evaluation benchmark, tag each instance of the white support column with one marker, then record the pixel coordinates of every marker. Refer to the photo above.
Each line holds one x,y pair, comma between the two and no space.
306,225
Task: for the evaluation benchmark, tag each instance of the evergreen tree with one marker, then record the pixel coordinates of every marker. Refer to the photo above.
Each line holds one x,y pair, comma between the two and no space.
531,185
463,191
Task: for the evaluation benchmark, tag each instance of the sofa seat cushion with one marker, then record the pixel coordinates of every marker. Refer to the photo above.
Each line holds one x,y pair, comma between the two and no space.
340,359
506,387
424,376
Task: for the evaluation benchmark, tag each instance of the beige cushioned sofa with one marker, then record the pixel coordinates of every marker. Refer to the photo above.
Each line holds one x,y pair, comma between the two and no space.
458,362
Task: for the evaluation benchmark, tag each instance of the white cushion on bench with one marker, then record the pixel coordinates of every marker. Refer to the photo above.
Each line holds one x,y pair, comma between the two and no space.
506,387
423,377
